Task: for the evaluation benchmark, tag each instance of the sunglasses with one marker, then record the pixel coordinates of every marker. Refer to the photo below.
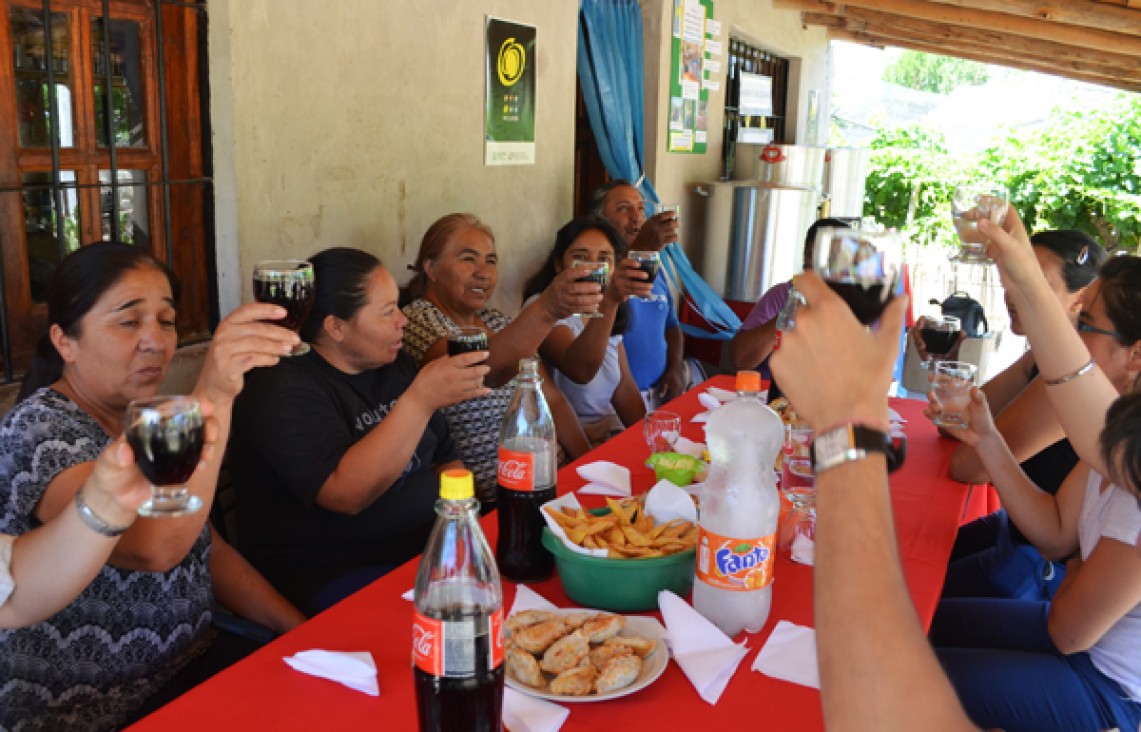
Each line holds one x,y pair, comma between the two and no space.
1084,327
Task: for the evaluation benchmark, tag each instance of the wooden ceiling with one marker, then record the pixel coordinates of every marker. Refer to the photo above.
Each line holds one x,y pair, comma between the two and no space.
1098,41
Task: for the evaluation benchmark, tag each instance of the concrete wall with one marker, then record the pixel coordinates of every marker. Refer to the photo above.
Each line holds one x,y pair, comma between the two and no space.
360,122
777,31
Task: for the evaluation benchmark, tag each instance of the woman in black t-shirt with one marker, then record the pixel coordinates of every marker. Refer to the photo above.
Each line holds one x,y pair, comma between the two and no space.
335,454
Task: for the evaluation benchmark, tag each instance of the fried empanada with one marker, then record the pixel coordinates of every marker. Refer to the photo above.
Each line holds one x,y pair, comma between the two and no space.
539,637
600,655
565,653
523,667
575,620
602,626
527,618
618,673
636,643
578,681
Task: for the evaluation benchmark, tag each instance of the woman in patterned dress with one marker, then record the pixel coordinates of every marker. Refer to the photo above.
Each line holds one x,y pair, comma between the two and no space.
147,614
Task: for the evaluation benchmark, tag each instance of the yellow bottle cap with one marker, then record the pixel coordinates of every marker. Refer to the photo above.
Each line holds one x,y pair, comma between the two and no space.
456,485
748,381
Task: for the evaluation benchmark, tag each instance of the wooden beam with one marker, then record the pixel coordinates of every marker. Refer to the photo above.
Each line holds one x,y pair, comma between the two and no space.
1123,43
870,39
885,24
1104,16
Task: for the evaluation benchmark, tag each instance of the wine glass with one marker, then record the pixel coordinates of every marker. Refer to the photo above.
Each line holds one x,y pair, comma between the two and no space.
466,339
167,433
940,333
661,430
798,484
290,284
861,265
970,203
951,387
650,263
598,272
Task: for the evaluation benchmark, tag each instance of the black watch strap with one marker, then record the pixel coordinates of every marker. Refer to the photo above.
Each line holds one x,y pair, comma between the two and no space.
855,442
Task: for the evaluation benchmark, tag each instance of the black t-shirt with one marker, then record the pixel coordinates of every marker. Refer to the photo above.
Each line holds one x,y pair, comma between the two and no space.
292,425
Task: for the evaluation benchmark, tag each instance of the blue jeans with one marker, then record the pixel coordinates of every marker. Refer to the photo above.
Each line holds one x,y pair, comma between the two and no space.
1009,675
987,561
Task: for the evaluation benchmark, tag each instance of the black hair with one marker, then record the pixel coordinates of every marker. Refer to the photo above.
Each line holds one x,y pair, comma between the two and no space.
1080,254
597,201
1120,279
567,235
810,236
341,275
1120,442
76,285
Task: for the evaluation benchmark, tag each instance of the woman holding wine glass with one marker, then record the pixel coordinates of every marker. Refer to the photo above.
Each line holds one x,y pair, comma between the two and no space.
587,356
146,615
457,270
338,451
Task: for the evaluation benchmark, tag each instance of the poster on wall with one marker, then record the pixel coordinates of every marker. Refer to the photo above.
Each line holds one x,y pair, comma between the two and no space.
693,61
509,109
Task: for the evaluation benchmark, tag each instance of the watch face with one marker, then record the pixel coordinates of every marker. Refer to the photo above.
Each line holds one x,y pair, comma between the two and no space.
830,444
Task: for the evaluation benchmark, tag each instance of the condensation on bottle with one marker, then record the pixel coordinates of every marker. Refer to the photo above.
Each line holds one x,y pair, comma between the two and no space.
736,545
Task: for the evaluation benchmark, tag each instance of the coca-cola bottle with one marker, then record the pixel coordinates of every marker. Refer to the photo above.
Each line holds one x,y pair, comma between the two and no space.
527,467
457,628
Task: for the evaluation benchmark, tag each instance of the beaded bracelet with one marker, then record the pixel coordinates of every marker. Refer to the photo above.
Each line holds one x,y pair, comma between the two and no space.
94,521
1085,369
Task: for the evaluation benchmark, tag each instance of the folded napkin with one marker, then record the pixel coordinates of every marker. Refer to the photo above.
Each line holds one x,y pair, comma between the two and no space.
700,417
895,416
570,500
687,446
790,655
705,655
803,549
523,713
605,479
709,402
666,502
528,599
355,670
410,594
721,395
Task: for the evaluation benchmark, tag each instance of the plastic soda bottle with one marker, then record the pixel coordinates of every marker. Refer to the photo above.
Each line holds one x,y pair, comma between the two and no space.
527,469
739,509
457,627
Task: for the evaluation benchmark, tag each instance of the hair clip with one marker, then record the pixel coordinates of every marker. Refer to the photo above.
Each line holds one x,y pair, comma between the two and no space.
1083,255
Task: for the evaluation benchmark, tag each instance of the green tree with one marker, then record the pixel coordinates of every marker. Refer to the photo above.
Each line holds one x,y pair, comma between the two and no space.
933,73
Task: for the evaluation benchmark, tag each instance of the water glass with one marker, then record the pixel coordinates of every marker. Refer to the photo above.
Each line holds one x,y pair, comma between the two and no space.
951,387
167,434
971,203
797,480
661,430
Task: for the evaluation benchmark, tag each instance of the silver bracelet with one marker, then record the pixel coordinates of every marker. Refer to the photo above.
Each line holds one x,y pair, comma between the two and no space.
1085,369
94,521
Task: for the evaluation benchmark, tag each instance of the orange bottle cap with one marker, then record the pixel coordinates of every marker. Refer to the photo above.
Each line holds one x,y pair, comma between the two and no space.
748,381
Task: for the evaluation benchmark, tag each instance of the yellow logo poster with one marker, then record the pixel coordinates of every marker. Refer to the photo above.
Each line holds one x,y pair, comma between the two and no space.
509,113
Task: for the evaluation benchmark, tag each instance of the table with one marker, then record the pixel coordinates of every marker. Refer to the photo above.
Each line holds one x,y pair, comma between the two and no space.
262,692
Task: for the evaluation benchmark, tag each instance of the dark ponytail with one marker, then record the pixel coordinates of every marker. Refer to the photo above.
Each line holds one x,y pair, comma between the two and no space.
342,276
76,285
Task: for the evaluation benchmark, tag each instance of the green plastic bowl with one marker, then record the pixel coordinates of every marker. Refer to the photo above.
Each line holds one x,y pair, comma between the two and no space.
621,585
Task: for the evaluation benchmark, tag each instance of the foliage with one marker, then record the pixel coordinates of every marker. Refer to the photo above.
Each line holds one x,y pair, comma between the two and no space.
1079,170
934,73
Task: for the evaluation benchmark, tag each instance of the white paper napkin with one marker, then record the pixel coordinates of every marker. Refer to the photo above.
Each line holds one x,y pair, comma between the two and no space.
700,417
354,669
528,599
572,501
803,550
523,713
687,446
895,416
666,502
790,655
705,655
409,595
709,402
605,478
721,395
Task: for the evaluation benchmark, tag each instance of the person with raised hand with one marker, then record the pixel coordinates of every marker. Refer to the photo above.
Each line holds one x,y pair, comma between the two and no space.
862,607
336,453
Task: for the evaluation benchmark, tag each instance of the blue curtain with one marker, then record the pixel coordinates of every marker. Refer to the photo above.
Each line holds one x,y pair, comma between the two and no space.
610,70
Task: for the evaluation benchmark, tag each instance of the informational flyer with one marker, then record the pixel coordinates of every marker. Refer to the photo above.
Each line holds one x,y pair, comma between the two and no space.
695,39
509,112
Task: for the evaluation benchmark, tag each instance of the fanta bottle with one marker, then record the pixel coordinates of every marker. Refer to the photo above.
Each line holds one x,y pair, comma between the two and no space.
736,542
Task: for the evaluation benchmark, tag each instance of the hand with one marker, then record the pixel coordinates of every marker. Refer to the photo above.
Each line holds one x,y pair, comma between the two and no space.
243,341
1009,247
673,381
659,230
833,370
980,424
565,296
450,380
628,280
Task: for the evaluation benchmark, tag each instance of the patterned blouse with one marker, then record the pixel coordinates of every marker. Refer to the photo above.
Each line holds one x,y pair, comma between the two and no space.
474,424
90,665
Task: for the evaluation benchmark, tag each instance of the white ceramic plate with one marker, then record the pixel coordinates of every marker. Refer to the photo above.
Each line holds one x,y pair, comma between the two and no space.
653,665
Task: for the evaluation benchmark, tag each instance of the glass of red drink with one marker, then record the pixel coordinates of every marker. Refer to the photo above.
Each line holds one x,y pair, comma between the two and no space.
166,434
861,265
290,284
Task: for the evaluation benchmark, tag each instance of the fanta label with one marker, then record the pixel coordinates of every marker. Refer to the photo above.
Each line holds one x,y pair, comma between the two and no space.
516,470
729,563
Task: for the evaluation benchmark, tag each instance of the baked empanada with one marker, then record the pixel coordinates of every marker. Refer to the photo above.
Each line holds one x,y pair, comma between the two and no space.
523,667
618,673
565,653
539,637
578,681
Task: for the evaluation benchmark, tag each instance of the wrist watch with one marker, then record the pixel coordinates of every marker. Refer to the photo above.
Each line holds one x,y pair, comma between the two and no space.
855,442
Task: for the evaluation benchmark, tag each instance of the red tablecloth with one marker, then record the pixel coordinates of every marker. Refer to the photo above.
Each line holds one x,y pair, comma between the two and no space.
262,692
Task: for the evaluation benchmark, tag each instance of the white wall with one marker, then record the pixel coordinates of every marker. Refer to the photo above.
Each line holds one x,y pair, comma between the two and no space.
360,122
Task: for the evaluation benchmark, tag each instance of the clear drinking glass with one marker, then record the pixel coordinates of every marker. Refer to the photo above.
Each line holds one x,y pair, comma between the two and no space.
940,333
951,387
650,263
970,203
798,484
166,434
465,339
861,265
661,430
290,284
598,272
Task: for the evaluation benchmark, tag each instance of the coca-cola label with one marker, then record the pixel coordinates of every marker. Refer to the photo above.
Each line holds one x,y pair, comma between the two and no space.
516,470
729,563
428,644
496,622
